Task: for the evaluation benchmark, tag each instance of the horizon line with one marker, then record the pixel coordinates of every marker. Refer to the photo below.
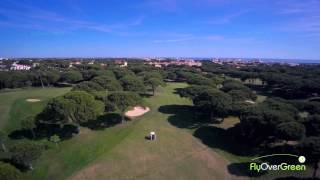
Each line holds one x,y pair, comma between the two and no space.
173,57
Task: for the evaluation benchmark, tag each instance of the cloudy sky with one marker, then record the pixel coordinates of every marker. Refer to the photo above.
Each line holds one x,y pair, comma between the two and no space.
193,28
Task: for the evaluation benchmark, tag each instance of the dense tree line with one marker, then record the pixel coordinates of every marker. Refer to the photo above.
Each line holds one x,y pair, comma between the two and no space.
290,82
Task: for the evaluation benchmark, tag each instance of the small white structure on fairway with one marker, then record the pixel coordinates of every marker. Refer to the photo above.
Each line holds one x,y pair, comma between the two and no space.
153,136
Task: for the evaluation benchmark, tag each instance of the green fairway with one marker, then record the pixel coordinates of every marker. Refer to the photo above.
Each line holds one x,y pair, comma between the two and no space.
14,105
122,152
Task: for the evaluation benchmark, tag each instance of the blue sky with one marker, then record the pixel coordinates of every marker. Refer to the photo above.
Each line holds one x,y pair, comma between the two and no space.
138,28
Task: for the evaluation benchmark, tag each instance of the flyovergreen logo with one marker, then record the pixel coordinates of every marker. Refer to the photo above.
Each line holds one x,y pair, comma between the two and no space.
278,167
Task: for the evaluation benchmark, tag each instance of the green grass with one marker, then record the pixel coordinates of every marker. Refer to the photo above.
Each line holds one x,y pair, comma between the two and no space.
72,155
122,152
14,107
228,122
184,149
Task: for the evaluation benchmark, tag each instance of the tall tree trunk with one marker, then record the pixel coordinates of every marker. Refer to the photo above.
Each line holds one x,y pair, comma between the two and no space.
30,166
283,148
211,115
41,81
153,90
4,149
78,128
33,134
122,117
315,168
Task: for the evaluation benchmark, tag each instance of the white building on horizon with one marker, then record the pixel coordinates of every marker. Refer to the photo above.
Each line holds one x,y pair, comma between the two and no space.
19,67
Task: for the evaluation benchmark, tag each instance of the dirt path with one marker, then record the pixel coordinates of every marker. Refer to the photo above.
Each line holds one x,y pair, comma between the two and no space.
176,154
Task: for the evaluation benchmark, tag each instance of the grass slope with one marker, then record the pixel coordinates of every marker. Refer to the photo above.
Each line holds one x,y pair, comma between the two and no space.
14,107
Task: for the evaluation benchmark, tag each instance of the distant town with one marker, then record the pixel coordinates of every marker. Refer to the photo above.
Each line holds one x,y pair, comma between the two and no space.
25,64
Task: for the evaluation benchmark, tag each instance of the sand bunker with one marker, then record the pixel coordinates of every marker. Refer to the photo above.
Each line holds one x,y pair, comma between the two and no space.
33,100
137,111
250,102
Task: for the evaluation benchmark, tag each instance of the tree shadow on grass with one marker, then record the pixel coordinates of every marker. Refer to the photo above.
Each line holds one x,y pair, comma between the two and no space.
178,91
226,140
46,131
182,116
67,131
223,139
146,94
104,121
175,109
20,134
